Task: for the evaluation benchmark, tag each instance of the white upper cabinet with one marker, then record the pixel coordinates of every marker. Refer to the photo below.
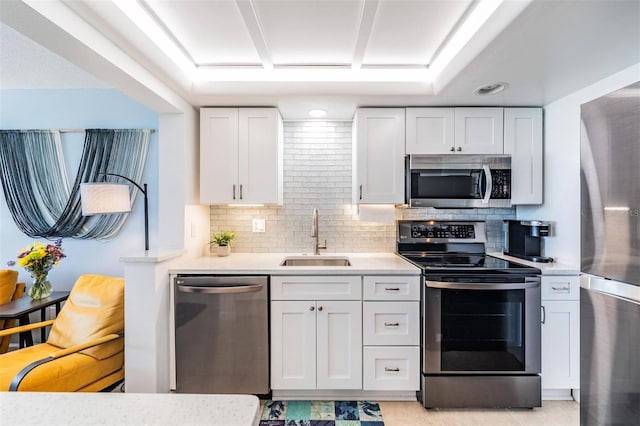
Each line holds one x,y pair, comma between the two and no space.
478,131
378,156
430,130
241,156
523,141
454,131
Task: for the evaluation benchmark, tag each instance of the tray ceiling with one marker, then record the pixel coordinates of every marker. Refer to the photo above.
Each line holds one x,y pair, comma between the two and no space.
333,54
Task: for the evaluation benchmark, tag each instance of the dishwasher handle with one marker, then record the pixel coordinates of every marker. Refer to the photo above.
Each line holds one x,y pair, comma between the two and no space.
230,289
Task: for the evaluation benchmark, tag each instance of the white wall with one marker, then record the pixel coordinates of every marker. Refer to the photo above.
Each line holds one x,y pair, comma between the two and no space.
562,167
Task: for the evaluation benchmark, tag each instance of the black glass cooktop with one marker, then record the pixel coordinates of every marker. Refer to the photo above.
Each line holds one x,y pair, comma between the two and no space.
466,263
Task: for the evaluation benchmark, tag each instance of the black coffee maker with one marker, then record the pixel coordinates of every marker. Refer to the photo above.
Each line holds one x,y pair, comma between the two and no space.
523,239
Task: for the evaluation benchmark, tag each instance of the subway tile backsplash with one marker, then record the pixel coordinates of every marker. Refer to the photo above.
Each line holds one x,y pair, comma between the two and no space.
317,174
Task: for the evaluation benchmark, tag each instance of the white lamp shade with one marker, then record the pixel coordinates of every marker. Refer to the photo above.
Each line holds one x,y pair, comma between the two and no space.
104,198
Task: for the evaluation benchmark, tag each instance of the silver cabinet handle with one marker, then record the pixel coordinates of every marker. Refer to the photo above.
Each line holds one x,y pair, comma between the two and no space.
452,149
361,192
560,289
544,314
241,191
220,289
459,148
320,308
313,308
234,191
392,289
392,324
392,369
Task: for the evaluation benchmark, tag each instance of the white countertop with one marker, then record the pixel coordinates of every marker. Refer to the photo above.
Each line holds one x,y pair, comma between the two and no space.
269,263
551,268
69,409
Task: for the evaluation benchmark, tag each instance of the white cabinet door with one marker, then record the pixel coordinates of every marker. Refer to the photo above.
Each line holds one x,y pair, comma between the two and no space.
241,156
430,131
260,156
378,156
391,287
391,324
339,345
293,345
391,368
561,344
523,141
479,130
218,154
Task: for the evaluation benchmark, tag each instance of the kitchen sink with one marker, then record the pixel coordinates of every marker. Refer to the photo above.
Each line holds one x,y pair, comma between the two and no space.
315,261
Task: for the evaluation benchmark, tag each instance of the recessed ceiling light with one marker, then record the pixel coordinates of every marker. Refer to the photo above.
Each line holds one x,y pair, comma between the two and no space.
490,89
317,113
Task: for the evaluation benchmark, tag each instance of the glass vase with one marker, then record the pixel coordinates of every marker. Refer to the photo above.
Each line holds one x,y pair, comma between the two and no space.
41,287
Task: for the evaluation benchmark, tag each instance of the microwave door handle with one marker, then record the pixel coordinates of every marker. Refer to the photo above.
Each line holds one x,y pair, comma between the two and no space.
489,187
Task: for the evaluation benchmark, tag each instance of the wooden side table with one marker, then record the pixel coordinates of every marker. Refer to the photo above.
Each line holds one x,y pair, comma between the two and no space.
21,308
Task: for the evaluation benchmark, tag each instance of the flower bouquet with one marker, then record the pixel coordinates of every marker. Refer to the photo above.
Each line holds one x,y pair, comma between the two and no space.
38,261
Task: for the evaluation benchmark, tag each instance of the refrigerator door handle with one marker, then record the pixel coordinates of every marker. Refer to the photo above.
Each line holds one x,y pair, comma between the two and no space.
220,290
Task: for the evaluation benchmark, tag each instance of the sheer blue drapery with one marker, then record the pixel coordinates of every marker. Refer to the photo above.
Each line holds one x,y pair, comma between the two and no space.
40,197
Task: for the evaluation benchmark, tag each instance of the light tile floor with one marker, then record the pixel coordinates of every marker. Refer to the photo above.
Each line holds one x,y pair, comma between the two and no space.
552,413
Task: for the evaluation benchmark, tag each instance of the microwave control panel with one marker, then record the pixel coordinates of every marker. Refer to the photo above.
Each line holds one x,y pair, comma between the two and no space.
501,184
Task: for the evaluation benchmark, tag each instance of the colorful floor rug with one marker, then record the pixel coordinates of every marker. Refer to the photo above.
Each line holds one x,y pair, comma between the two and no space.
321,413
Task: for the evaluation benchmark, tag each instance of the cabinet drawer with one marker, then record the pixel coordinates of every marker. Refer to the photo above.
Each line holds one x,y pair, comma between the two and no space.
301,287
561,287
391,368
392,287
391,324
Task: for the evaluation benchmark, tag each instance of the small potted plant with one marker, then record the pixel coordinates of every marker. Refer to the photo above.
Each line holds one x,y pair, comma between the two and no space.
223,240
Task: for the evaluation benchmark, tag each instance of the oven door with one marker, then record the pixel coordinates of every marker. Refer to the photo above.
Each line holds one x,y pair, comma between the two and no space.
472,326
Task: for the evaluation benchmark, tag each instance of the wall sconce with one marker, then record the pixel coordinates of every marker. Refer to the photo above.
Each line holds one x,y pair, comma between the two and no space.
111,198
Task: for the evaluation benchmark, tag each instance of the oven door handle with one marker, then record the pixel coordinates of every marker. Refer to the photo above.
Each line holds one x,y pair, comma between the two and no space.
530,282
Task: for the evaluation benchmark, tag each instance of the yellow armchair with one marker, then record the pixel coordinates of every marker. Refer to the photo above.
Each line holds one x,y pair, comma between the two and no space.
85,348
10,289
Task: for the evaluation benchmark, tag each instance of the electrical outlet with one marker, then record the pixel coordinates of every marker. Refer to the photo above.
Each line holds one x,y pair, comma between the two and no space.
259,225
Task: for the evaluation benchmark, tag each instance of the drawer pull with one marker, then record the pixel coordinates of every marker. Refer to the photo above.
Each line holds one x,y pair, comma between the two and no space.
392,369
392,289
392,324
565,289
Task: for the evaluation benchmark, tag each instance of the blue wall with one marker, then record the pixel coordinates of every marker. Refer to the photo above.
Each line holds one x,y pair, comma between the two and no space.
81,109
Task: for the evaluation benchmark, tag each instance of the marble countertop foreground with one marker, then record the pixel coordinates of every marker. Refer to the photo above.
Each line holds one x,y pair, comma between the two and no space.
86,409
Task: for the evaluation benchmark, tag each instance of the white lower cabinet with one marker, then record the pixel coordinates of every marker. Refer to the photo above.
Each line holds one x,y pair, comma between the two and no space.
316,344
328,334
339,345
560,332
293,345
391,333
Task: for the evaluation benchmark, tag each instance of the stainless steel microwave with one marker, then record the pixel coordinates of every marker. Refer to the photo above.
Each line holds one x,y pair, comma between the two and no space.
458,181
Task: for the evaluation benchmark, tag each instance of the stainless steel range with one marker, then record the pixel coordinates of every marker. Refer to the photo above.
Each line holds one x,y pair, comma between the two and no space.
481,318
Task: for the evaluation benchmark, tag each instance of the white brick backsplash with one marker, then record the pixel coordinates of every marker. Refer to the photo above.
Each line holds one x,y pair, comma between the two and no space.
317,173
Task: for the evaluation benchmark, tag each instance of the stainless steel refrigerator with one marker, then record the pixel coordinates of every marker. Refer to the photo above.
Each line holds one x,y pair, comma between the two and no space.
610,259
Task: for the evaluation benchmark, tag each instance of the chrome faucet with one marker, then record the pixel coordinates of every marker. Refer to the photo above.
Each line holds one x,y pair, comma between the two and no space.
314,233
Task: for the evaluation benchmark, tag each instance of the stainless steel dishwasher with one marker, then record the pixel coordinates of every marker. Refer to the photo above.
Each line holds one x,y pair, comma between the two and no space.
222,334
